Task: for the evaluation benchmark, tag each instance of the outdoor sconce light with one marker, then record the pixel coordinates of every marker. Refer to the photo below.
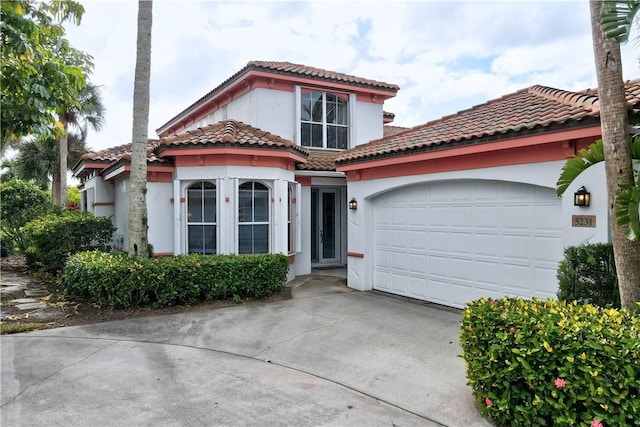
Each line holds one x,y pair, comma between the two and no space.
581,197
353,204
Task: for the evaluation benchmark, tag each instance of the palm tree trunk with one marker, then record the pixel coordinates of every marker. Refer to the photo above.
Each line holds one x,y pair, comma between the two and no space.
138,241
63,142
618,165
55,188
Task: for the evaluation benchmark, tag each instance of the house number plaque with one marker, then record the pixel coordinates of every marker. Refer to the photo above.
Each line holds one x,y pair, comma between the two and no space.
583,220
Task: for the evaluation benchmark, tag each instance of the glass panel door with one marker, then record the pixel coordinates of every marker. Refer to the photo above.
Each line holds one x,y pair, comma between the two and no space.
325,225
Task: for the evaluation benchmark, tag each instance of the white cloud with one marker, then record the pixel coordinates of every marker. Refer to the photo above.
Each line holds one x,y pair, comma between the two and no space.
446,56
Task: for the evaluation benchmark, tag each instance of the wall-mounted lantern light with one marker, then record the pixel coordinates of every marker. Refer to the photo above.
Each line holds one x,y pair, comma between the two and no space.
353,204
581,197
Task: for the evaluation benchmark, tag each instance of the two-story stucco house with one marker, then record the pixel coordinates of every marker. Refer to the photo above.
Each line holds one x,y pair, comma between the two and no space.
291,159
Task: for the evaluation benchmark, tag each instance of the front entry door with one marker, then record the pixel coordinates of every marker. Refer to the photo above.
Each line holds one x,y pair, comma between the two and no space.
325,225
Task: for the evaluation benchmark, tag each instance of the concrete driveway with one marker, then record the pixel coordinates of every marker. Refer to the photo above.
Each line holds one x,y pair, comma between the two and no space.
329,356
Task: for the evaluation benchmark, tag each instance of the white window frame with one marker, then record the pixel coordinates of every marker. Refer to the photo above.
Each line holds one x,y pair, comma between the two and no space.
350,99
215,224
268,223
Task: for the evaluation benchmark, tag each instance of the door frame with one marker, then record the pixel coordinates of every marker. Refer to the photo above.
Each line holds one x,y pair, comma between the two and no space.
317,227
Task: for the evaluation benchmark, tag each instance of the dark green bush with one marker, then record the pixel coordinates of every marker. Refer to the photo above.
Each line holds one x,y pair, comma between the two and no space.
544,363
52,238
587,274
21,203
119,281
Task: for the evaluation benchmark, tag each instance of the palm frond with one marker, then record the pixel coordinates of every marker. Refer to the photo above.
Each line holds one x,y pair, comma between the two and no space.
628,209
617,17
574,166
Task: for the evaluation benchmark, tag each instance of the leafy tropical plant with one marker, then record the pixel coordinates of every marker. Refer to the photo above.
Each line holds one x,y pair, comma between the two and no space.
627,197
617,18
22,202
40,70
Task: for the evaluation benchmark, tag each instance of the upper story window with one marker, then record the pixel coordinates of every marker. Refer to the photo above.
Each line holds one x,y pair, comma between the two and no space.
324,119
253,218
201,218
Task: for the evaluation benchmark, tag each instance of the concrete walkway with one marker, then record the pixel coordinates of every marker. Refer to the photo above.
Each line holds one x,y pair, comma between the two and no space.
329,356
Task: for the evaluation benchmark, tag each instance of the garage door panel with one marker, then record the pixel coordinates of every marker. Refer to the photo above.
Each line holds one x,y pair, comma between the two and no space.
456,241
517,248
462,270
398,238
488,274
417,216
461,217
438,217
418,240
399,215
485,217
487,246
545,280
545,248
438,242
515,219
418,264
516,277
439,291
399,261
438,266
417,287
459,243
400,284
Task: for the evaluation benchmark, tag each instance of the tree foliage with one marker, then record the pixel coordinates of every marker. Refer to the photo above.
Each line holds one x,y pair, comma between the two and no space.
39,70
22,202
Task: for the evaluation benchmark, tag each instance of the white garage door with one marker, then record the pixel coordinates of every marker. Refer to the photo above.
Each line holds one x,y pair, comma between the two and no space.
453,242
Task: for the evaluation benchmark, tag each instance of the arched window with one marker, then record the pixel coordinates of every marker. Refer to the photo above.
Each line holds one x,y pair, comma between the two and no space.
201,218
253,218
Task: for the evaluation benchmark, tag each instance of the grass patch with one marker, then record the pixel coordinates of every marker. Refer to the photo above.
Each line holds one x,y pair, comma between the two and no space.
17,327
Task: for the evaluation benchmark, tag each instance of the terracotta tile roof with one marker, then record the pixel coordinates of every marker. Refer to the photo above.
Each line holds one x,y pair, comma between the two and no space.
289,69
388,130
229,133
529,110
319,160
121,152
318,73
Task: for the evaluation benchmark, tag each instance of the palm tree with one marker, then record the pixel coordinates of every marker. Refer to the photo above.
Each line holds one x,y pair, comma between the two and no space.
615,136
38,161
89,113
138,240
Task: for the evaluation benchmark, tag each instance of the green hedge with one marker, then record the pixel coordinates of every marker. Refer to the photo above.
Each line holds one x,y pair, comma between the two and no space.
118,281
587,274
52,238
532,362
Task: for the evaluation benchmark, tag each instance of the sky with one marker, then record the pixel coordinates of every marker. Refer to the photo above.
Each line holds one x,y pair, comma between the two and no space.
446,56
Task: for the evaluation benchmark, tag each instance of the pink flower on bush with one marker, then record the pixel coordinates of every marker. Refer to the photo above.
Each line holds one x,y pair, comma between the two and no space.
596,423
512,330
156,260
198,264
491,302
559,382
488,401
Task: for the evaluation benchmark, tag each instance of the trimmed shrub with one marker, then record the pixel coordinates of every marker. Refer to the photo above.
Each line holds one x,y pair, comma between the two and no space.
22,202
52,238
119,281
587,274
532,362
